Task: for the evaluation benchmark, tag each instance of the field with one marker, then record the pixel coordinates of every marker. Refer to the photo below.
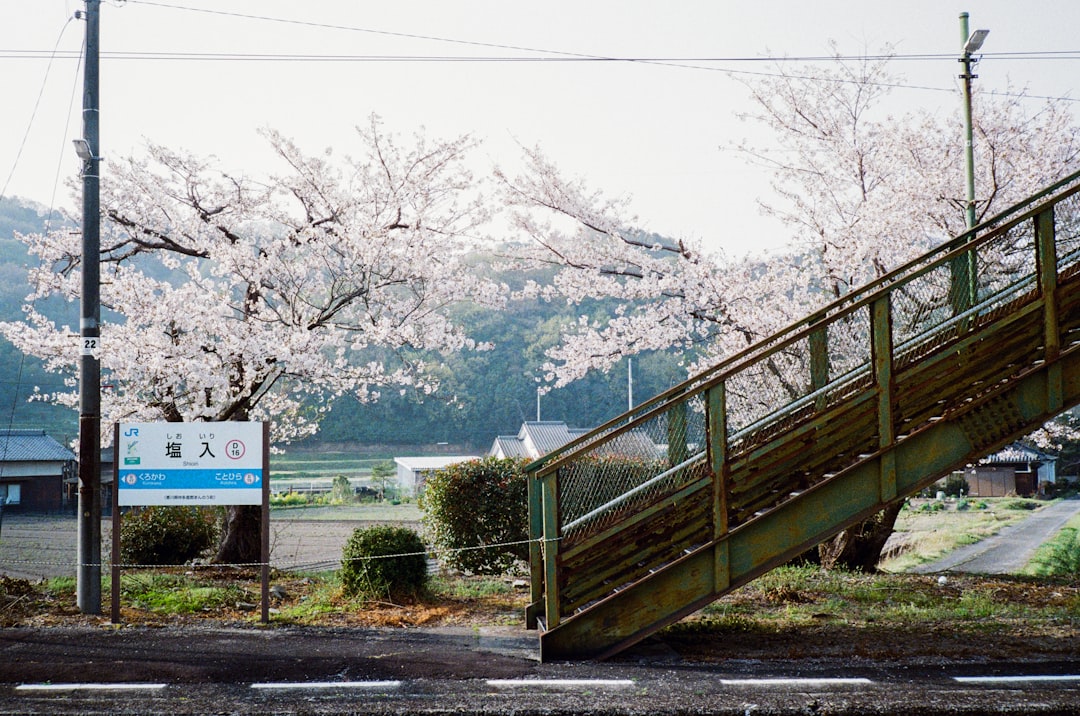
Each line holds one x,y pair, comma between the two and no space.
315,471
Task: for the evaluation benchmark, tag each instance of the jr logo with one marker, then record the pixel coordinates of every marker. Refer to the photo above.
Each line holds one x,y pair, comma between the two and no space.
131,433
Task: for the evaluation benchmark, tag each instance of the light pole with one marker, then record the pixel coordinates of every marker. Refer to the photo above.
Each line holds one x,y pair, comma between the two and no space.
964,289
971,44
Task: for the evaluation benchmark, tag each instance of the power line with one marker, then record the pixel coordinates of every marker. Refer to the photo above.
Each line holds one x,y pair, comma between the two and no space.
54,54
16,54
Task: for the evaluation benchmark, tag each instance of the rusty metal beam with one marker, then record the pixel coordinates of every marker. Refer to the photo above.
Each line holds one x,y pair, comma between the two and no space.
686,585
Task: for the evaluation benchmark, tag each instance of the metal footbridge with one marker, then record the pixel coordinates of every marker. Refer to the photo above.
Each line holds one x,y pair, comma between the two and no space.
663,510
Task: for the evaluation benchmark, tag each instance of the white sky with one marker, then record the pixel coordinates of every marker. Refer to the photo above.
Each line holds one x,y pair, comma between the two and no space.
655,133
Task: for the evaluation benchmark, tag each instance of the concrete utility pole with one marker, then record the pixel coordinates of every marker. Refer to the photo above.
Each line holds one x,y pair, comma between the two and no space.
89,571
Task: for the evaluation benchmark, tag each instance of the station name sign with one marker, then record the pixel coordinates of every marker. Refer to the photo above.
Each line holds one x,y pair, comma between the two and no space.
190,463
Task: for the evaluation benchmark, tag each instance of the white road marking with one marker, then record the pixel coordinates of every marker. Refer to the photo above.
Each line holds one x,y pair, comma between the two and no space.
1014,679
328,685
823,681
89,687
567,683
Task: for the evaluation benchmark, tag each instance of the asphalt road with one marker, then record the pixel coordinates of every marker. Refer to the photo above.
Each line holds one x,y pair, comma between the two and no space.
94,670
1009,551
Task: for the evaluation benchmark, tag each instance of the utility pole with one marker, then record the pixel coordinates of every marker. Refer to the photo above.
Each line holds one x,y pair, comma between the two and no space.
89,571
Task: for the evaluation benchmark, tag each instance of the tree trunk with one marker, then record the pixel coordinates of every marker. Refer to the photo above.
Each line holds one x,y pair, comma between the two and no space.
859,547
242,541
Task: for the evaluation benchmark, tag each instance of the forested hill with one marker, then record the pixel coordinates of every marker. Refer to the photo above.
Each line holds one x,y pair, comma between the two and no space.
482,394
19,374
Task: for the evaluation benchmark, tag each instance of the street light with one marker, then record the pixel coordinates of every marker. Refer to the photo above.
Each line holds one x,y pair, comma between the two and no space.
82,149
975,41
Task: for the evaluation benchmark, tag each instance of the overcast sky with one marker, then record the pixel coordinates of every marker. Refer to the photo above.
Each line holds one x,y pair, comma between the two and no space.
654,131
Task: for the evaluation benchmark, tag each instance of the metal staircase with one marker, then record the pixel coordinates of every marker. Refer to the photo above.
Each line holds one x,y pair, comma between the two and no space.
663,510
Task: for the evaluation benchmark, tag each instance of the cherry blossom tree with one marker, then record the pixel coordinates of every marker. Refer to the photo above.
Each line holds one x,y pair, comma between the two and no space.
230,298
860,190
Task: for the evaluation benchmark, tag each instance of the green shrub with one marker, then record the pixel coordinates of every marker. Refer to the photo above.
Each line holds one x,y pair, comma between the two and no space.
167,535
384,562
1019,503
290,499
341,490
956,485
476,514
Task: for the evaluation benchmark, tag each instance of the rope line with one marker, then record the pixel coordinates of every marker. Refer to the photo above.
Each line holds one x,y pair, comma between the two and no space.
433,553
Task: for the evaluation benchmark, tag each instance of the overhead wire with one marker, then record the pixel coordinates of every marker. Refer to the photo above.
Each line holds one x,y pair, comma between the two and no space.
37,104
50,212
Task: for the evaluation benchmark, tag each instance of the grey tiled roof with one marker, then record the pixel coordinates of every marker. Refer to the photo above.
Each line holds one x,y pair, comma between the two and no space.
510,446
547,435
31,446
1016,453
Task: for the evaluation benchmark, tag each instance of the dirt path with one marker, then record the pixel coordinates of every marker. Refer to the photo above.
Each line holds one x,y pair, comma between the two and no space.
42,546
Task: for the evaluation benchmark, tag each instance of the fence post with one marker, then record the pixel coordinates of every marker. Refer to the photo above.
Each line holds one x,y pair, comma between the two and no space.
550,501
536,555
881,350
716,438
819,361
1046,264
676,433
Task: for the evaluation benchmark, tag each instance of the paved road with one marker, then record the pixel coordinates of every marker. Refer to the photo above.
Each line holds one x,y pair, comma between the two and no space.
485,671
1009,551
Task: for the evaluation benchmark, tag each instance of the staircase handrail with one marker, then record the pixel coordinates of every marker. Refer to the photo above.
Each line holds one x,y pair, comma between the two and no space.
971,239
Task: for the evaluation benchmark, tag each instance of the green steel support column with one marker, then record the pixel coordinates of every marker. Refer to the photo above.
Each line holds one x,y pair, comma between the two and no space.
676,433
882,353
717,440
549,492
819,362
536,556
1046,258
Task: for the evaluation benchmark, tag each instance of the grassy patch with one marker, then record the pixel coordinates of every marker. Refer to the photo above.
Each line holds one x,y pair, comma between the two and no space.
872,613
168,593
1060,557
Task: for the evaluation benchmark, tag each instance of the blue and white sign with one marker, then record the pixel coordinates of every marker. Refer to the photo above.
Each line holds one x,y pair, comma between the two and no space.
190,464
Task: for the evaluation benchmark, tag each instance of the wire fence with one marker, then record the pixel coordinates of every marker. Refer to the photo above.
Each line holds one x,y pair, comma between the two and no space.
36,547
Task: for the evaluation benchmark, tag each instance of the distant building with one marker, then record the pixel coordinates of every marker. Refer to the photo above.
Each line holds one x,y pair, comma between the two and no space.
1014,470
33,469
536,439
413,472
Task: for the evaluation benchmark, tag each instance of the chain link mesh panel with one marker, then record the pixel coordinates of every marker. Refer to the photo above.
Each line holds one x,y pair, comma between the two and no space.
634,467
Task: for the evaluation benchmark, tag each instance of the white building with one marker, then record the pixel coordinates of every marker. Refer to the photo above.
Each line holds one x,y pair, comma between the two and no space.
413,472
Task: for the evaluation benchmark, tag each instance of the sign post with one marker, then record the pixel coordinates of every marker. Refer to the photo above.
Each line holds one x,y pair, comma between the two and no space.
191,464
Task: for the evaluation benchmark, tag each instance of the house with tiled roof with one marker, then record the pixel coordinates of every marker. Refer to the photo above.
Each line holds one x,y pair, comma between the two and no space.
536,439
33,468
1016,469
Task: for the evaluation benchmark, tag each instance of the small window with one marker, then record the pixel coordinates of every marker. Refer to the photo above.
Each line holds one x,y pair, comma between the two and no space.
11,494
